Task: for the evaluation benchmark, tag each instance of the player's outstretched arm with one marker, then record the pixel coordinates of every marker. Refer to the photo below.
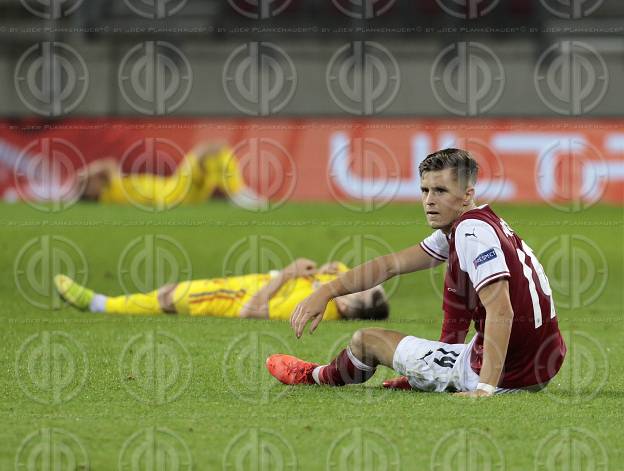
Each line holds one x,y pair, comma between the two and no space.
412,259
358,279
258,305
498,321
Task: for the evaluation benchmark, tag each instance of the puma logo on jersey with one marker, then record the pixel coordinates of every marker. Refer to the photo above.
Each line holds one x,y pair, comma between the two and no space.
484,257
470,234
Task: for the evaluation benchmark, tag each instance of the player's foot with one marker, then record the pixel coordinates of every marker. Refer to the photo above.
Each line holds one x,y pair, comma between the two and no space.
75,294
290,370
397,383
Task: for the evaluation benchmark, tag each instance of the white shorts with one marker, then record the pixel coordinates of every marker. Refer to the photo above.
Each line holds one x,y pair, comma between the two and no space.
435,366
438,366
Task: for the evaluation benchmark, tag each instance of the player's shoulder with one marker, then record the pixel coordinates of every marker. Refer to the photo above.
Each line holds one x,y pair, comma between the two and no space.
475,234
481,219
477,229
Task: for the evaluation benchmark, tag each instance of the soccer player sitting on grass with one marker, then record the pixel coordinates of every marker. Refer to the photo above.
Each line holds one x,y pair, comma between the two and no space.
208,170
493,279
262,296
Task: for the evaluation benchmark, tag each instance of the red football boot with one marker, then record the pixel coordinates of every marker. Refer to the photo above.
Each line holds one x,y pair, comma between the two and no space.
397,383
290,370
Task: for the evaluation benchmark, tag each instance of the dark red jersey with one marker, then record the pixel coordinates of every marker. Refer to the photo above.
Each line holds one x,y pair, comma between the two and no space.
480,249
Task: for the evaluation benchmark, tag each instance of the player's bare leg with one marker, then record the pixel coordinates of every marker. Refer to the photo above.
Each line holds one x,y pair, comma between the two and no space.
374,346
85,299
380,344
354,364
165,298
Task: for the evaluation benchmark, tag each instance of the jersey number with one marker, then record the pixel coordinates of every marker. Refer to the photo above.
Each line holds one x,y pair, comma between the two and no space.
446,361
528,274
543,282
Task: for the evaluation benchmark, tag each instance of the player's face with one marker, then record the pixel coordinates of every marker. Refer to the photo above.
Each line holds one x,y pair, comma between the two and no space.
443,198
350,305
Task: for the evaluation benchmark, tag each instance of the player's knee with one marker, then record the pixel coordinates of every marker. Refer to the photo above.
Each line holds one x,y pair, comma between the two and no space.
165,297
356,340
361,342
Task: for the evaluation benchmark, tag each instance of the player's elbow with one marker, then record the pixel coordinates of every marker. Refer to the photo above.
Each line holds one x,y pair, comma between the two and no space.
503,316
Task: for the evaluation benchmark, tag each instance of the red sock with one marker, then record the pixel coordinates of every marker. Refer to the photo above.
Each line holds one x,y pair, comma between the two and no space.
345,369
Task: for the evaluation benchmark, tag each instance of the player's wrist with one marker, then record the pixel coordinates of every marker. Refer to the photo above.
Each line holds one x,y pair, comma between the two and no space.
325,291
488,388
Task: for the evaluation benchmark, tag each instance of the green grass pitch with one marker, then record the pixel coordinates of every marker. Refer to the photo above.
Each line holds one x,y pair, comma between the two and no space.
84,391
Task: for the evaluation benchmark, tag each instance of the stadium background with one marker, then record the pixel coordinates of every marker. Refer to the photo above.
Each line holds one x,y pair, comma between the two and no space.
329,106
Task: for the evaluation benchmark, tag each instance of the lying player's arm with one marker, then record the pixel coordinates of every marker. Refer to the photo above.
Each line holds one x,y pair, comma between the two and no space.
358,279
258,306
332,268
498,322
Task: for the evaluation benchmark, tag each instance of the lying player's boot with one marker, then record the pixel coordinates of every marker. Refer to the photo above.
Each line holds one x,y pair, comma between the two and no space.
397,383
75,294
290,370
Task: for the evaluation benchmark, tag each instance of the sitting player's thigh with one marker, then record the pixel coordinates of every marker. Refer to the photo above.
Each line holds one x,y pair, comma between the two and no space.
375,345
434,366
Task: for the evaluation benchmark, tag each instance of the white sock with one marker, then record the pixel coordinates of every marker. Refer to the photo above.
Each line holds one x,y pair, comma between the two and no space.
315,373
98,303
357,363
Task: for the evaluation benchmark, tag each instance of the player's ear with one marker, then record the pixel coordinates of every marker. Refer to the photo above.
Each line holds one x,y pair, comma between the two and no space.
469,195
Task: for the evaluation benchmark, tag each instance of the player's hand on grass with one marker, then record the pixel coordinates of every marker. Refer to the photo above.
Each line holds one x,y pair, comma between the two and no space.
301,267
475,393
312,309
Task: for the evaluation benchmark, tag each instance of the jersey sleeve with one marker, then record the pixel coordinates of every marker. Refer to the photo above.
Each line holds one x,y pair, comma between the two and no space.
436,246
479,252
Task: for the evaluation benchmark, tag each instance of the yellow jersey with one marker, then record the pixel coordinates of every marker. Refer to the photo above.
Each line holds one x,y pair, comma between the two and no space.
225,297
190,184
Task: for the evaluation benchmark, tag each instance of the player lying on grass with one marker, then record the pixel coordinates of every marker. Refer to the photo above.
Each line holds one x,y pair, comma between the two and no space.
263,296
208,170
493,279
